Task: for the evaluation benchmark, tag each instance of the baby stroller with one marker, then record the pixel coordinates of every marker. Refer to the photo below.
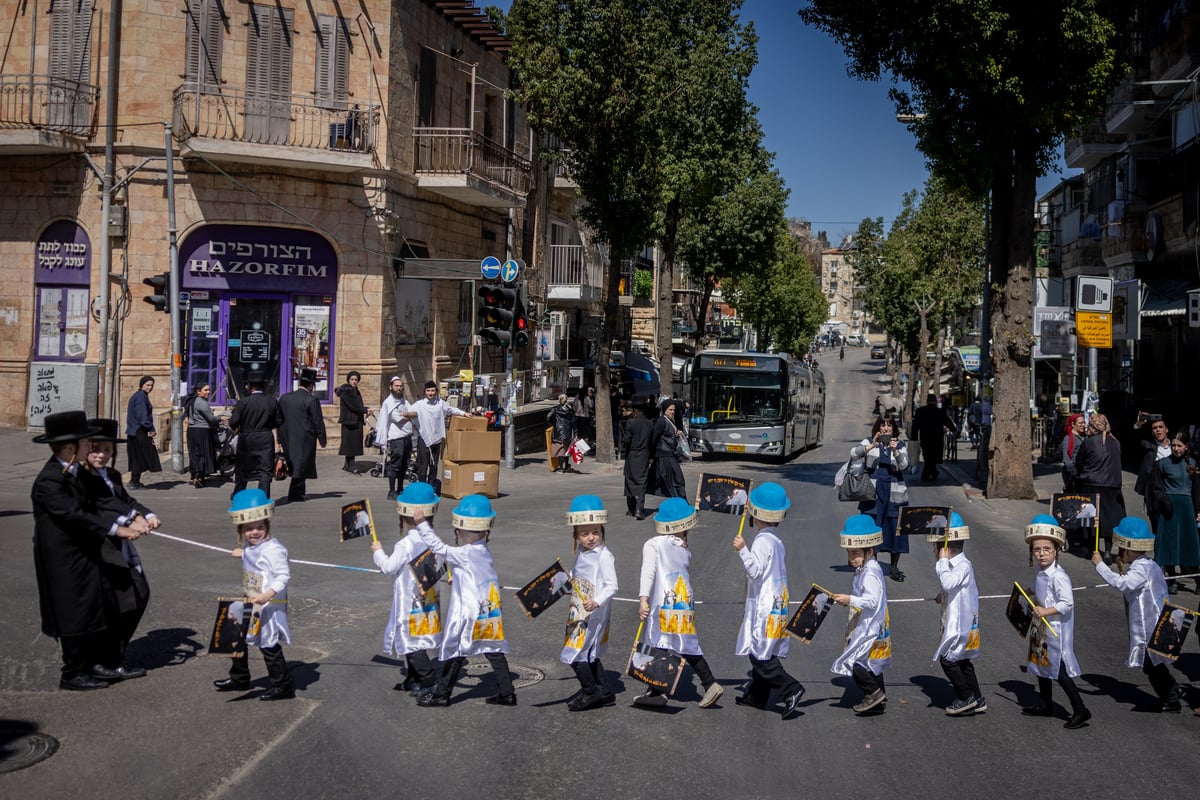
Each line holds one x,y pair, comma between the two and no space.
376,470
226,449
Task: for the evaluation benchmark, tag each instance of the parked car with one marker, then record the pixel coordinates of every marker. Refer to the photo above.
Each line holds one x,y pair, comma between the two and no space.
878,351
856,340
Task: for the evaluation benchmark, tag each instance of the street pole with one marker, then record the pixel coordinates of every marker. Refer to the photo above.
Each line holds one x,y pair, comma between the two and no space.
173,306
510,430
108,362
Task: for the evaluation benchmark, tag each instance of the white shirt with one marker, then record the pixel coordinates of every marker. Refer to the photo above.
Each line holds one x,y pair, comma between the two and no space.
392,422
763,633
431,419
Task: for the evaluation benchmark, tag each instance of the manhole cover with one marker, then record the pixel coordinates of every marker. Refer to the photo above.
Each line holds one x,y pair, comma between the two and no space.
20,749
523,676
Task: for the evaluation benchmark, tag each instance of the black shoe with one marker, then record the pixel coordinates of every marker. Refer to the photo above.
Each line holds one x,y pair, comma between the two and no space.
136,485
1037,711
585,701
278,693
129,673
502,700
746,700
791,703
82,683
897,575
106,674
1078,719
432,700
232,685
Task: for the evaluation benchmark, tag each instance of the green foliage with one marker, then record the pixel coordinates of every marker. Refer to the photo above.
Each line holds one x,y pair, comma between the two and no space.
783,301
643,283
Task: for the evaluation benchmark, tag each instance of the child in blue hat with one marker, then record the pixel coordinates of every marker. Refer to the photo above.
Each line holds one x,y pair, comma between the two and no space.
666,579
474,624
959,599
594,582
1142,582
415,623
763,635
265,578
869,644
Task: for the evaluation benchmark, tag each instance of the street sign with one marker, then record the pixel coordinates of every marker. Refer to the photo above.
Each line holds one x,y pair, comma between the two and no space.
1093,294
1093,329
490,268
1127,316
1052,327
510,271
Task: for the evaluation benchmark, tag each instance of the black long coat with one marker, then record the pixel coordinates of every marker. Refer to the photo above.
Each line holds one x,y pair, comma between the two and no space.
350,416
119,557
254,417
67,537
303,426
636,441
929,425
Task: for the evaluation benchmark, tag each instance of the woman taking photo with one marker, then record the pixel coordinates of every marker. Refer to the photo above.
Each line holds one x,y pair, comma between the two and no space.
886,458
351,414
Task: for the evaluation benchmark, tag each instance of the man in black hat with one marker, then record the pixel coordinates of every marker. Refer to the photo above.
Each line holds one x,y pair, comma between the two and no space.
254,418
303,426
67,536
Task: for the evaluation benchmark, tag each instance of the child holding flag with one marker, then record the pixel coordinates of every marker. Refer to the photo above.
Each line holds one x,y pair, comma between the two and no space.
959,599
869,642
593,584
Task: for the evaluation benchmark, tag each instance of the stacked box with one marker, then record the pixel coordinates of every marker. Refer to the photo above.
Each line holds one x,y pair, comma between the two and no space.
471,459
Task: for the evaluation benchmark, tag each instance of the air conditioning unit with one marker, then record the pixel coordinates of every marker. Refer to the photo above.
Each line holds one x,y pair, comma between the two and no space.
558,319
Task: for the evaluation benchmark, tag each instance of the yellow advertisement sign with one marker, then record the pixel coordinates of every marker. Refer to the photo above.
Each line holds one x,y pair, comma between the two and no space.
1093,329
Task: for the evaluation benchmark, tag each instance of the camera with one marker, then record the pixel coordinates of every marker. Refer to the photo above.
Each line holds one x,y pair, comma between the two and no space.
885,441
1154,417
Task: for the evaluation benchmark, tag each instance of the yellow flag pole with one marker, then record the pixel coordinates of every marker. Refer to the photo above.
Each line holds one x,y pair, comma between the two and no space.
371,517
1032,604
742,524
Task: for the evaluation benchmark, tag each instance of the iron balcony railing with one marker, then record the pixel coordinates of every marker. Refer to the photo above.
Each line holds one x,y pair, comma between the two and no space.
461,151
568,267
48,103
296,121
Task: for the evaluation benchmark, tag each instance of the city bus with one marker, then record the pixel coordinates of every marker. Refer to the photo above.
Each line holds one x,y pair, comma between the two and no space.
755,404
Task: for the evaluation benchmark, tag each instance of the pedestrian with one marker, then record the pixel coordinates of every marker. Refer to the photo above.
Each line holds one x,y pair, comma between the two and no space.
635,445
302,429
1098,471
763,636
1177,545
139,427
120,564
415,623
585,415
351,414
959,599
869,641
593,584
930,423
474,622
561,418
667,604
201,435
1076,433
667,438
431,432
1145,589
265,578
1155,448
394,434
67,536
1052,652
885,458
255,418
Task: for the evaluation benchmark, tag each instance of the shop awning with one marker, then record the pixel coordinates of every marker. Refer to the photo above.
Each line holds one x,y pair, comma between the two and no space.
1165,298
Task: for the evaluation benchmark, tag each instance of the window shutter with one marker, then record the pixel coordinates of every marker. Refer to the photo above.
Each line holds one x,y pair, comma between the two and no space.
204,35
428,87
71,39
333,59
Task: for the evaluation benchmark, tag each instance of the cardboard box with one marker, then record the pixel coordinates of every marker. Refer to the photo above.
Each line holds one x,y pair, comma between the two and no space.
460,480
458,423
465,446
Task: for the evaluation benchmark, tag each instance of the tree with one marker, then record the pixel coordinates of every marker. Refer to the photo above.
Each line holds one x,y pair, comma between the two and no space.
783,302
993,87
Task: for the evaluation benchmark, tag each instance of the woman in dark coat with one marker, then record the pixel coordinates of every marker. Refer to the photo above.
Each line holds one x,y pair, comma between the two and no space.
1098,471
350,416
666,451
636,439
201,435
562,418
139,427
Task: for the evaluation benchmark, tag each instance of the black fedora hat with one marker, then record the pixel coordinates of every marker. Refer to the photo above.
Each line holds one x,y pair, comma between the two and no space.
108,431
256,377
307,375
65,426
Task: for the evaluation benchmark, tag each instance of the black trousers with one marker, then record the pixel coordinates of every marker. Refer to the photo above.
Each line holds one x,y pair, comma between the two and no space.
1162,681
961,675
767,675
240,481
591,676
239,667
866,680
428,456
1046,690
452,668
297,488
399,451
81,653
421,672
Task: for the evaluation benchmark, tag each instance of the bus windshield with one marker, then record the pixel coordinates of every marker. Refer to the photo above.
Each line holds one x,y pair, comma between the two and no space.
726,396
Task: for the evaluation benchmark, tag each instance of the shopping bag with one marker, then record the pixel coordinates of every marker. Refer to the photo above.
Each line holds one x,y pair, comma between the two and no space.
857,485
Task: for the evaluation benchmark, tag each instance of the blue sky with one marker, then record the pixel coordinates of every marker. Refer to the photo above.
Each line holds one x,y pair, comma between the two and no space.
836,141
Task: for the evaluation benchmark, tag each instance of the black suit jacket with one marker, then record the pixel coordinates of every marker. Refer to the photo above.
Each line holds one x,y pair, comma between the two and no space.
120,564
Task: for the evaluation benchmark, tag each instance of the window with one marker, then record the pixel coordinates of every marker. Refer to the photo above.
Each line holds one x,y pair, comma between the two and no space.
269,74
203,51
333,61
70,55
427,89
62,323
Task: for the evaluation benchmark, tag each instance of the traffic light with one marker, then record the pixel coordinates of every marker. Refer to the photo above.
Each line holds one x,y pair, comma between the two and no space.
159,298
520,326
496,315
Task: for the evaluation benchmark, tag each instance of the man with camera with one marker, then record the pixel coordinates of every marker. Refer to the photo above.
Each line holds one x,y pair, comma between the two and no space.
1154,448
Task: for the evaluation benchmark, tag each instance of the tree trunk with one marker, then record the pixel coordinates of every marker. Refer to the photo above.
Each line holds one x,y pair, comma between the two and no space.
709,286
1010,466
605,413
894,361
923,346
665,302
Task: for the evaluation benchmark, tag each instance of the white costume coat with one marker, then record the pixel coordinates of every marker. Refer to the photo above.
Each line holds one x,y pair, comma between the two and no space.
869,635
668,584
960,609
473,623
265,566
415,622
1052,589
763,633
595,578
1145,591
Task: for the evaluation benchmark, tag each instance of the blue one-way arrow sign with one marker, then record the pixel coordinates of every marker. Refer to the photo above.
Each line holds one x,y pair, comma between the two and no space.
490,268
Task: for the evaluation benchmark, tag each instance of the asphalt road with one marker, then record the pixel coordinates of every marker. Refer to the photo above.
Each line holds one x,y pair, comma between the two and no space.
348,734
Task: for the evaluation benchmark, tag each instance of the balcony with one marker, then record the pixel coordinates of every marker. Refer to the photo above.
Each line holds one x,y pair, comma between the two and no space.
571,278
1080,257
1091,146
296,132
468,167
1124,241
42,114
1131,109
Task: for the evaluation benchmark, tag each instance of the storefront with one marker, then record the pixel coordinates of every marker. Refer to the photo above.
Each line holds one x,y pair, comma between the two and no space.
257,299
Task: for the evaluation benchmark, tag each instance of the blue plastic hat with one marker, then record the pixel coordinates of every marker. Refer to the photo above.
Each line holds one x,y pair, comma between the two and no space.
473,513
251,505
587,509
769,502
1044,526
957,531
859,532
1133,533
417,497
675,515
